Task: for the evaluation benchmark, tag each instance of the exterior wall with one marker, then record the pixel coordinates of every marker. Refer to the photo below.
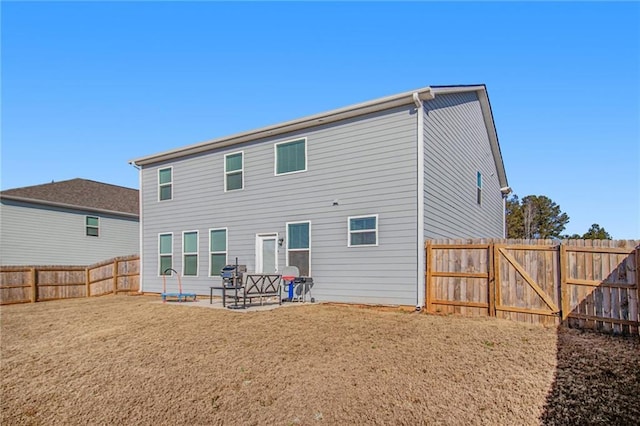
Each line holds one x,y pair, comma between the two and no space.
456,148
367,164
39,235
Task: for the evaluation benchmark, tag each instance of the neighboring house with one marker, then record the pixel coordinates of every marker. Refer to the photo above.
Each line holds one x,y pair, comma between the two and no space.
349,196
73,222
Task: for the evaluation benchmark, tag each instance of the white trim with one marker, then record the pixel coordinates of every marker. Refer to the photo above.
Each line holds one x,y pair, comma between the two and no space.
87,226
165,254
479,188
140,235
165,184
226,249
420,267
259,260
275,156
349,232
197,253
233,171
287,249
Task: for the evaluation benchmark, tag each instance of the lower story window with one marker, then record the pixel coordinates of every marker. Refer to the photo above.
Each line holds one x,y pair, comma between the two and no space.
217,251
363,231
190,253
165,254
299,246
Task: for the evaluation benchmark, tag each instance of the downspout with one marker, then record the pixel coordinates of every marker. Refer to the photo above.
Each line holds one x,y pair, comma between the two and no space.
505,192
420,290
140,233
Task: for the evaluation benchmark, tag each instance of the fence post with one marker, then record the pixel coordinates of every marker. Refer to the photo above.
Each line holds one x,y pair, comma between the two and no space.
492,282
638,284
34,285
427,282
115,276
564,296
87,277
495,250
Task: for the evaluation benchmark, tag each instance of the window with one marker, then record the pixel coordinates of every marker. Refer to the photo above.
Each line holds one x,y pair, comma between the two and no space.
233,171
190,253
92,224
165,254
165,184
363,231
291,156
217,251
298,246
479,188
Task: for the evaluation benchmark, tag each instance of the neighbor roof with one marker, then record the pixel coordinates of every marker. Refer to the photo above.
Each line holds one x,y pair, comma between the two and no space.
426,93
80,194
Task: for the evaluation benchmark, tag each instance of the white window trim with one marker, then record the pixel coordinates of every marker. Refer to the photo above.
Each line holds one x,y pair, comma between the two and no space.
86,226
226,247
479,188
275,157
166,183
165,254
287,243
197,253
233,171
349,232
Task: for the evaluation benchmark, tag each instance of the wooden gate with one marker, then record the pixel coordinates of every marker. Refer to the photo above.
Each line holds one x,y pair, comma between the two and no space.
583,283
527,282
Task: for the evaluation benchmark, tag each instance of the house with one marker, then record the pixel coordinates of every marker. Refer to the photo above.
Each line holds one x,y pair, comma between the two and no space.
72,222
349,196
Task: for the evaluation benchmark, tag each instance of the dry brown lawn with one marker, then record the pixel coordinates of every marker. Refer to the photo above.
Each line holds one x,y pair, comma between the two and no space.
130,360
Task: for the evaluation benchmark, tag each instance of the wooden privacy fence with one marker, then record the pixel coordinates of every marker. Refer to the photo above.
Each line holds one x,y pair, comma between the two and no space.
22,284
581,283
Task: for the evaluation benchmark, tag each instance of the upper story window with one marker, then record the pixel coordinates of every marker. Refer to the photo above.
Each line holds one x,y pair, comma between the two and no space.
233,171
291,156
479,188
190,253
363,231
217,251
92,224
165,254
165,184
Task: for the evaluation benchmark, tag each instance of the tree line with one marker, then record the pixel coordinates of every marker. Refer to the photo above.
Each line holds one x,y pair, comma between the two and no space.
538,217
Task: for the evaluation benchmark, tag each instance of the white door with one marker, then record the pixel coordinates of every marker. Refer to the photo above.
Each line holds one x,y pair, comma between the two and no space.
266,253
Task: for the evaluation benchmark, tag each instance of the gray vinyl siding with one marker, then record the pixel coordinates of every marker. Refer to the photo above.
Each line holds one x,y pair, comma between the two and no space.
368,164
456,148
40,235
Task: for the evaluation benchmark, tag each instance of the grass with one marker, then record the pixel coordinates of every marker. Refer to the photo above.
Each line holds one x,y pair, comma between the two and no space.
128,360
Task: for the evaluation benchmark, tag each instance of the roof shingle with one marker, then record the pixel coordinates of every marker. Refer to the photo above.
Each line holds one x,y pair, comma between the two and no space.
81,193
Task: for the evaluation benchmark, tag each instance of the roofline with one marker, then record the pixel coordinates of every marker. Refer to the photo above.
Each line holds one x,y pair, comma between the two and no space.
289,126
380,104
68,206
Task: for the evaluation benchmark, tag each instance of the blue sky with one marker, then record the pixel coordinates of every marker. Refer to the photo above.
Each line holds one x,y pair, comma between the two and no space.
88,86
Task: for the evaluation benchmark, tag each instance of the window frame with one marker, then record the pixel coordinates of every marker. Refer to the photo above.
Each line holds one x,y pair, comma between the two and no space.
226,249
160,254
479,188
308,249
227,172
376,230
196,253
161,185
87,226
275,156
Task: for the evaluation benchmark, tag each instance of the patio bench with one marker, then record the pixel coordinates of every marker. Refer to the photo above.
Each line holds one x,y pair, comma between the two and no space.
262,285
